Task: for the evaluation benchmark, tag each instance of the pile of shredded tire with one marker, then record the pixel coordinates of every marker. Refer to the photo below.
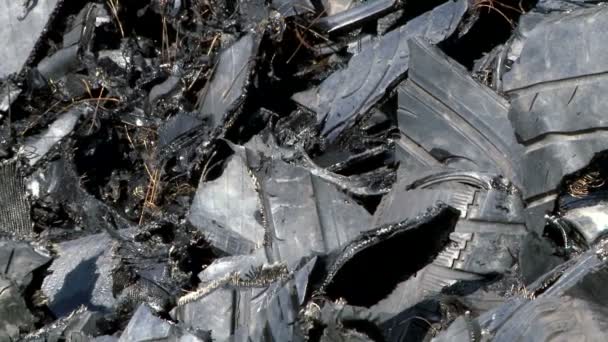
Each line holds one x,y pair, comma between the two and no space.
303,170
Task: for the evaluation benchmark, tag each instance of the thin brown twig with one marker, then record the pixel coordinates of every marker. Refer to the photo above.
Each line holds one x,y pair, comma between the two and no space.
493,4
148,171
199,74
33,123
215,38
143,207
74,103
129,137
77,102
225,93
113,8
96,109
302,42
497,11
204,174
177,44
86,85
155,189
314,32
200,71
296,50
149,197
139,127
164,44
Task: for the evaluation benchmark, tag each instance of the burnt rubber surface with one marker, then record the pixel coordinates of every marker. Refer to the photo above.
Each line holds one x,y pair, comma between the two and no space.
296,170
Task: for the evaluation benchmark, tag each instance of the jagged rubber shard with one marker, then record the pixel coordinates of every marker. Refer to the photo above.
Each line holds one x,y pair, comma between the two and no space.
557,91
211,313
18,260
60,182
37,147
340,334
257,313
222,266
305,214
80,325
568,301
18,38
485,242
225,92
290,212
81,275
290,8
225,210
351,92
163,90
423,236
57,65
144,291
565,5
145,326
332,7
177,126
14,314
357,15
14,206
371,183
589,221
440,96
76,41
8,94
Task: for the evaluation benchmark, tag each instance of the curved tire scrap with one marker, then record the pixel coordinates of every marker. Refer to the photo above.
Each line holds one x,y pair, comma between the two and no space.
565,304
222,96
534,150
557,89
255,306
349,93
284,209
356,15
485,241
440,96
543,320
18,262
422,235
22,35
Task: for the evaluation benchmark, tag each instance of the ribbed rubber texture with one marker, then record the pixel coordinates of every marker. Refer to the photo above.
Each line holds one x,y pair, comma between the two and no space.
440,96
14,209
485,242
558,107
556,319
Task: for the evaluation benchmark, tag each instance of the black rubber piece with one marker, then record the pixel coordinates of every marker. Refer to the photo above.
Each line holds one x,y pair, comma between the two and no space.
557,89
347,94
565,304
478,128
485,242
286,209
226,90
440,96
